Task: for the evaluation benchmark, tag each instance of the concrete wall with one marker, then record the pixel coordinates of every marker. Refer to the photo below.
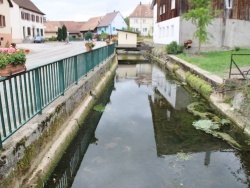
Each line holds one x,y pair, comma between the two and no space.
237,33
31,153
187,30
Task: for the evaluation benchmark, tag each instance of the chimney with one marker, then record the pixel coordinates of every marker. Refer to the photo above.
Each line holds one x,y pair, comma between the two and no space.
140,3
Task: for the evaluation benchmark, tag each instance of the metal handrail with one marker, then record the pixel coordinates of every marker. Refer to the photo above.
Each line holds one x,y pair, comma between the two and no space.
233,62
24,95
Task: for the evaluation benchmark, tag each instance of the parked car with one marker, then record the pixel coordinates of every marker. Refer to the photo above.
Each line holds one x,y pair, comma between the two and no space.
39,39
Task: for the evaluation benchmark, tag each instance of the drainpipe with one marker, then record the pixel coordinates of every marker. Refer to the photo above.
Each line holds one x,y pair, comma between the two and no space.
228,7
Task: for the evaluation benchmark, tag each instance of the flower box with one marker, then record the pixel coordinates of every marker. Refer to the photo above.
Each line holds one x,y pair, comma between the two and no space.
12,61
12,69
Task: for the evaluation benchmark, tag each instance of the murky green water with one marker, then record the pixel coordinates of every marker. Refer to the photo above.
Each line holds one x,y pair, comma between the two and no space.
145,139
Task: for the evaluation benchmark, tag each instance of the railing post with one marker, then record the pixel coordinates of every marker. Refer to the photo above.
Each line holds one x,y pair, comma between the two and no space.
38,91
76,69
61,77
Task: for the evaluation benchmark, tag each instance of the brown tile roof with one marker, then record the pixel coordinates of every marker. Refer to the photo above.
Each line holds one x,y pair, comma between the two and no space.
28,5
72,27
108,18
91,24
142,11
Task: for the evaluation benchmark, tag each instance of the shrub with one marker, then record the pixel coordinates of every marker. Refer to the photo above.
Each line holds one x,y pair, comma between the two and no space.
174,48
88,35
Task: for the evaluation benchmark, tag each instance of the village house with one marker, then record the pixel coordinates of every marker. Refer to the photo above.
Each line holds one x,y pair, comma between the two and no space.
91,25
73,28
26,20
141,19
111,22
229,29
5,27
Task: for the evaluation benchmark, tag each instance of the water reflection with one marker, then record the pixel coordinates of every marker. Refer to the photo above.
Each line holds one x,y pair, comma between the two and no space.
145,138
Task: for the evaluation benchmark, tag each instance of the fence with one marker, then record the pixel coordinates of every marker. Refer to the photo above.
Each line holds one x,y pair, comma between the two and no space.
236,58
25,95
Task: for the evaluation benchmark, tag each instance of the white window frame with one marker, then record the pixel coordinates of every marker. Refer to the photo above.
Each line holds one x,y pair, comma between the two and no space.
172,4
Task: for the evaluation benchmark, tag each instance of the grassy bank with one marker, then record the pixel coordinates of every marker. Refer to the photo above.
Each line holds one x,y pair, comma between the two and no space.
217,62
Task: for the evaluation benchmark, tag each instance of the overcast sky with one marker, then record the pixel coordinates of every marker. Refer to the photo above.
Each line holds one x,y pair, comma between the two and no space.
82,10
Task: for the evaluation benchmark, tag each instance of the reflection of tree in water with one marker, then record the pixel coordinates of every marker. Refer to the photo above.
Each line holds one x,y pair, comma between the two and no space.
244,169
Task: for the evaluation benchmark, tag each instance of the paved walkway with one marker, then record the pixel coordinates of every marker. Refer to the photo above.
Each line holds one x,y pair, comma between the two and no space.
44,53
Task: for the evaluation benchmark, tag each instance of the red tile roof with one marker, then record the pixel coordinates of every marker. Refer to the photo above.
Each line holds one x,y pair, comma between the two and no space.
108,18
72,27
142,11
91,24
28,5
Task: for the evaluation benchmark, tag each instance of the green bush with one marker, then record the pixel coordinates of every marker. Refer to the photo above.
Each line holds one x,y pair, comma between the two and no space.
174,48
175,68
88,35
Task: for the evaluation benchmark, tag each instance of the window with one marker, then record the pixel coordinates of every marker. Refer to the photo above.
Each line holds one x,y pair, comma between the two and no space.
33,17
136,29
41,20
27,16
160,10
37,18
172,30
167,32
144,30
28,31
144,21
172,4
23,15
41,32
113,28
37,32
163,9
2,21
135,21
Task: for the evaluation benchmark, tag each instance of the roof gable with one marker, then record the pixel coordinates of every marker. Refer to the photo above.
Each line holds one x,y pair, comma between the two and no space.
108,18
142,11
91,24
28,5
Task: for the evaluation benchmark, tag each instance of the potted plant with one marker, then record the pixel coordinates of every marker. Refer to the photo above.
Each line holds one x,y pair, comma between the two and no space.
89,45
107,41
12,62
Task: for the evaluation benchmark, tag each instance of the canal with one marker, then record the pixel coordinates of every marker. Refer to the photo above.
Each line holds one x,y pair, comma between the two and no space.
140,134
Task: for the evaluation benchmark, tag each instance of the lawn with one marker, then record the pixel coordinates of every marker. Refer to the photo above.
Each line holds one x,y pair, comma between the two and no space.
218,62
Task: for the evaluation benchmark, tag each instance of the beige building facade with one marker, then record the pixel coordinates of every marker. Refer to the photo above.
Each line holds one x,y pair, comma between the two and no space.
5,27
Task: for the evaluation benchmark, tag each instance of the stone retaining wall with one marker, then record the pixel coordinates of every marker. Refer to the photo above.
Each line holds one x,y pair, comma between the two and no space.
30,155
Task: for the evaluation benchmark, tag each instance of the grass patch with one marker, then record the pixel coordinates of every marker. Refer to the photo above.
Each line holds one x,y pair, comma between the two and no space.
217,62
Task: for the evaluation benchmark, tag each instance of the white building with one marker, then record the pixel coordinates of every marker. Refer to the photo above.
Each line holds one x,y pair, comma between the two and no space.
141,20
26,20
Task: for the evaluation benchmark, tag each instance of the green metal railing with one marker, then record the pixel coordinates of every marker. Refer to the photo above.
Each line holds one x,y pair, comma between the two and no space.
25,95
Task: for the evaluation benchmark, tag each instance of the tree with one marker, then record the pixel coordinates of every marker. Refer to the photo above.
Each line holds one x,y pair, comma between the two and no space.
64,32
88,35
201,15
127,21
59,34
104,35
